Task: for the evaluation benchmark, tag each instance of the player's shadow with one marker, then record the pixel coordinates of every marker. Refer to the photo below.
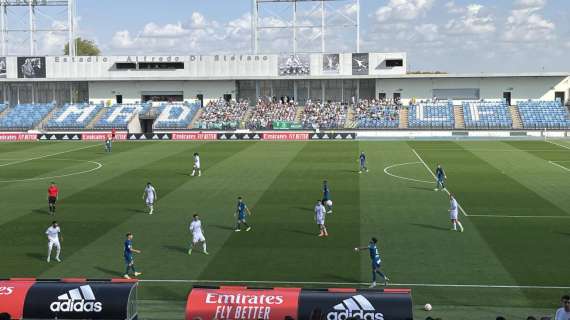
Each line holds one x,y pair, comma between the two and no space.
36,256
176,248
303,232
303,209
337,277
421,188
564,233
429,226
223,227
109,271
136,210
40,211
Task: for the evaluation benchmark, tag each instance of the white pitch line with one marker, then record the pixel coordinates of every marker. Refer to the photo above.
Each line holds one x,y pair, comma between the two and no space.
444,285
433,174
557,144
559,166
400,177
518,217
46,156
98,166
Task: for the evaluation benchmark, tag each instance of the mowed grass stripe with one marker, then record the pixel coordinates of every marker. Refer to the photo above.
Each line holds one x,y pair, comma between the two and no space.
26,197
284,245
169,176
87,213
412,224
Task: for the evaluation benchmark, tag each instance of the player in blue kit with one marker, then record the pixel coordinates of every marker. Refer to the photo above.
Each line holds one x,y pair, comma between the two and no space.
241,212
376,261
129,259
440,178
327,202
362,160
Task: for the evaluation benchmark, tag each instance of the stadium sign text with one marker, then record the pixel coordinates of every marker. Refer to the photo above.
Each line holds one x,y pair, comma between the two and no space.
88,59
154,59
233,57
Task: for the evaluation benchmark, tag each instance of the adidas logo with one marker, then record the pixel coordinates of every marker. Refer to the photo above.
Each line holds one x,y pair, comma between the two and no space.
356,307
77,300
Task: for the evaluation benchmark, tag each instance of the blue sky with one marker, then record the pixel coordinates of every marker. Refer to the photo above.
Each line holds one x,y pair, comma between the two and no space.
448,35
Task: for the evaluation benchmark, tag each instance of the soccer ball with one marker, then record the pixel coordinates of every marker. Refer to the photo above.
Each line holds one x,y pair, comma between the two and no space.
427,307
328,203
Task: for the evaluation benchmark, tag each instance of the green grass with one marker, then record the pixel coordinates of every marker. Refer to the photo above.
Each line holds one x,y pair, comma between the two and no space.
516,231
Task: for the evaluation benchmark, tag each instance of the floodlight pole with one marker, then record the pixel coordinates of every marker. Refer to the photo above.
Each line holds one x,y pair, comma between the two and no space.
3,26
32,27
71,23
323,26
254,17
357,25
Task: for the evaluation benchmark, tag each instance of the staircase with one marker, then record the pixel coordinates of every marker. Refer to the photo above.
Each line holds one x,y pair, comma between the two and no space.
44,121
299,114
516,116
98,116
5,111
404,121
350,123
459,117
196,118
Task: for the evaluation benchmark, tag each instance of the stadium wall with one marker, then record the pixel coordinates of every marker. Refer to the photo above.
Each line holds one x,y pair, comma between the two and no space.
490,87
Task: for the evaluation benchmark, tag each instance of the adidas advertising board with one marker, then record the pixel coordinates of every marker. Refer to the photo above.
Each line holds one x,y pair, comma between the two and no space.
240,303
5,137
94,300
333,136
12,297
365,305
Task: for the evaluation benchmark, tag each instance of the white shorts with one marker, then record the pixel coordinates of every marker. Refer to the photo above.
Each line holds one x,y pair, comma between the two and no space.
453,215
197,166
149,201
55,244
320,221
198,237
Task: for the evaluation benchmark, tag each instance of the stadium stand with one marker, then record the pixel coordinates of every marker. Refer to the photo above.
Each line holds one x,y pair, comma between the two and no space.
431,115
539,114
175,116
119,115
3,107
73,116
487,115
265,112
330,115
222,115
376,114
24,116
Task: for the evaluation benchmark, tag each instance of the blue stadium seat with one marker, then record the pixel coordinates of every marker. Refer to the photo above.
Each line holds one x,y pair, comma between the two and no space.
377,117
538,114
118,116
171,117
431,115
487,115
73,116
25,116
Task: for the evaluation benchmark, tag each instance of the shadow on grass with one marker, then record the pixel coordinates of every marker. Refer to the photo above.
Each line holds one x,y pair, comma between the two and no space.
137,210
37,256
303,232
176,248
222,227
110,272
429,226
40,211
339,278
303,208
564,233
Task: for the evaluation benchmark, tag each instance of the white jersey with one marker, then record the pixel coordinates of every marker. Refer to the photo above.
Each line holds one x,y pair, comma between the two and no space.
196,229
453,208
53,234
561,314
197,162
320,213
150,193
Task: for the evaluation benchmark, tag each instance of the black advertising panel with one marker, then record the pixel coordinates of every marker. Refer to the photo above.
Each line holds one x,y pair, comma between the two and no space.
360,64
2,67
366,304
31,67
93,300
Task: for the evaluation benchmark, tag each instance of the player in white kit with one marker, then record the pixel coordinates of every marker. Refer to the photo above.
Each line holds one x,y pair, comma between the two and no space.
453,213
320,213
150,197
197,234
53,235
196,165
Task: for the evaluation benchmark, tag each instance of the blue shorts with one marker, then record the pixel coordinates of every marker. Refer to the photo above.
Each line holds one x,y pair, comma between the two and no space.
439,179
376,265
241,217
326,197
128,259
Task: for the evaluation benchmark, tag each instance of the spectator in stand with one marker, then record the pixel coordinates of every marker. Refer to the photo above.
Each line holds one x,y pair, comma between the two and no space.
267,110
329,115
563,313
220,114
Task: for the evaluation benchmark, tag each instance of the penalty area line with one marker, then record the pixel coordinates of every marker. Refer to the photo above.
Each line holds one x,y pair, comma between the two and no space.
435,179
440,285
557,144
559,166
47,155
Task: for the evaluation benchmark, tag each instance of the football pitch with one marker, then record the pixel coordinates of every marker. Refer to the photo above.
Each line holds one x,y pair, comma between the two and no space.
511,260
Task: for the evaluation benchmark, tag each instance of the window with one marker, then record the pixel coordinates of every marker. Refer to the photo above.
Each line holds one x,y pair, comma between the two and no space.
390,63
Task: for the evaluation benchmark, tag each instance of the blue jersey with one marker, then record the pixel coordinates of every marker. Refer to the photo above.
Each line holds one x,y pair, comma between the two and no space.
439,173
362,158
241,210
326,192
374,254
128,248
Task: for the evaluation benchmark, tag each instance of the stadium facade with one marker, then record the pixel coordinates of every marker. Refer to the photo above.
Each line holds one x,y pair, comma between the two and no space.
327,77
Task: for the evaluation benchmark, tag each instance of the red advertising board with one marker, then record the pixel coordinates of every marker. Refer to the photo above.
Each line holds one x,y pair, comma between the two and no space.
18,137
194,136
101,136
285,136
242,303
12,297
